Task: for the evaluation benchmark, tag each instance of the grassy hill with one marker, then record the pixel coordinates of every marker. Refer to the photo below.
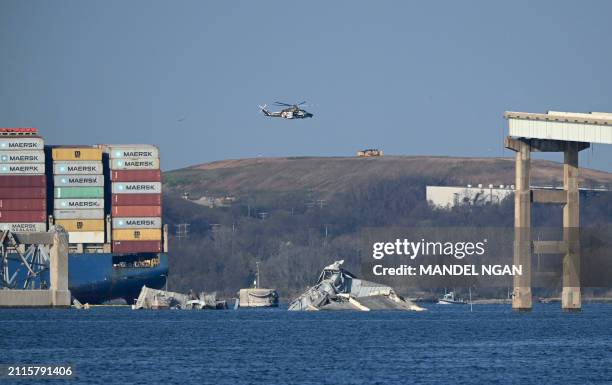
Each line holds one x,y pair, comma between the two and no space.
329,175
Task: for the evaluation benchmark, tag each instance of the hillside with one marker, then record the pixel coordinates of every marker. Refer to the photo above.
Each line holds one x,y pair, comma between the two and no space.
328,175
296,215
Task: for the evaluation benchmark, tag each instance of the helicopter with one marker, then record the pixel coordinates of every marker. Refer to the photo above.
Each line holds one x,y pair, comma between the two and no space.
293,111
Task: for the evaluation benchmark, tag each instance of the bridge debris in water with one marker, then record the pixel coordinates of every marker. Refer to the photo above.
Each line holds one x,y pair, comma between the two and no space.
338,289
161,299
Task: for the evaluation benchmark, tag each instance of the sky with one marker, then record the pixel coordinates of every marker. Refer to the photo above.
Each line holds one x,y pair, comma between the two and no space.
410,78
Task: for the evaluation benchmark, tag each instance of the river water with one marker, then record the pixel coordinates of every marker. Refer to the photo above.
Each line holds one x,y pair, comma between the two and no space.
445,345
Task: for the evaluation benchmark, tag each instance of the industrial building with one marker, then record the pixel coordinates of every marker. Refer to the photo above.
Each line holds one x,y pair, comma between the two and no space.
451,196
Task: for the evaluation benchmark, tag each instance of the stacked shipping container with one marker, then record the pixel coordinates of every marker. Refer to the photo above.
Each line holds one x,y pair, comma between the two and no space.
79,193
23,187
136,198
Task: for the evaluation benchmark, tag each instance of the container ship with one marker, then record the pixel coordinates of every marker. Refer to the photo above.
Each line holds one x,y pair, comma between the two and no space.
106,197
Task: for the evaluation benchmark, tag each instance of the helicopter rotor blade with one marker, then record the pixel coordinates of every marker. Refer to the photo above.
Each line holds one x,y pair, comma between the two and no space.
282,104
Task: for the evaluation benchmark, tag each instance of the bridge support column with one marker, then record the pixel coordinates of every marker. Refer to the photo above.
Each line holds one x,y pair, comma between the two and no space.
58,270
522,298
569,197
570,295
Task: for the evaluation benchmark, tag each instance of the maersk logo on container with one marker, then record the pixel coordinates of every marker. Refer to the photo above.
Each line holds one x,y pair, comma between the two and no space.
21,144
133,154
143,187
24,158
134,151
78,168
93,180
135,163
137,222
22,169
80,203
136,187
21,158
22,227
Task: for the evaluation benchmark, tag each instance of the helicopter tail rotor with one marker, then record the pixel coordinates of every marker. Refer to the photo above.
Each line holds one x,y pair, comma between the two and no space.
263,109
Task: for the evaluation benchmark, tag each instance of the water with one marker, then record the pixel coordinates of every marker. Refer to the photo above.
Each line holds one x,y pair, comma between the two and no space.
446,344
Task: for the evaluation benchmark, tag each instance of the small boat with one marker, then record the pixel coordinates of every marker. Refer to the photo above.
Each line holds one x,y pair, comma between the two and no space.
449,299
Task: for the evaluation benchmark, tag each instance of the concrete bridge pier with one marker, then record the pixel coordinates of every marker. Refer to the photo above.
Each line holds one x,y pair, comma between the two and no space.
58,270
524,196
553,131
570,295
522,298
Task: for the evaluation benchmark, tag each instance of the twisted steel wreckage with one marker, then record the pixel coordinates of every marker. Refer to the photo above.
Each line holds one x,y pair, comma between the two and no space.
338,289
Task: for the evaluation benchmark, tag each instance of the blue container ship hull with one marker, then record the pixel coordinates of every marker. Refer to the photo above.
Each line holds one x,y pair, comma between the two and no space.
95,278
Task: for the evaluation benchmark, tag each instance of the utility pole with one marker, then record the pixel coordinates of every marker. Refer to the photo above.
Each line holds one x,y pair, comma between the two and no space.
182,231
326,233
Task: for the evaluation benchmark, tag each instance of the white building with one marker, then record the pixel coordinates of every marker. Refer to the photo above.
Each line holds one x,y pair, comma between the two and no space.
449,196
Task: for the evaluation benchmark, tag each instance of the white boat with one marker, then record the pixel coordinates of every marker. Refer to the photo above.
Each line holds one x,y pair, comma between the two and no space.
449,299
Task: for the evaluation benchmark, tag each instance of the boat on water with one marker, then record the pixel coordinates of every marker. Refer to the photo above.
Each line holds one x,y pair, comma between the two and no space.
449,299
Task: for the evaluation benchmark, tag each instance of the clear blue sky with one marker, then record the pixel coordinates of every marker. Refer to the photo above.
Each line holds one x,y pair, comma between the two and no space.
411,78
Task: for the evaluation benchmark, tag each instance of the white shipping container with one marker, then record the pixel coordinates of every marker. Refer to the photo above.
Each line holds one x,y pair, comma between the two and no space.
136,188
86,237
78,204
78,180
35,156
137,223
140,151
134,164
21,227
77,167
22,143
22,168
78,214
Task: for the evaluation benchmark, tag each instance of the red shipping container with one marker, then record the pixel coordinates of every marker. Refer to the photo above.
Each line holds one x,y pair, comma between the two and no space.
136,200
137,247
23,181
20,130
136,176
136,211
23,204
23,192
23,216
